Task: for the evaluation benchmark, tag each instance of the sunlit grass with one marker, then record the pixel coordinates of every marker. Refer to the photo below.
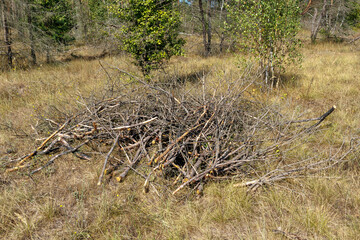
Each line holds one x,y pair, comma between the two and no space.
66,203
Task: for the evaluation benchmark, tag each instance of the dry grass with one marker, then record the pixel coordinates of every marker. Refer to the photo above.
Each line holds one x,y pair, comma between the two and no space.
329,76
64,201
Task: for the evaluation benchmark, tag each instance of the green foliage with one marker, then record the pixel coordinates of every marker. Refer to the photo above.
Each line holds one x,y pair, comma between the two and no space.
54,18
353,16
97,10
150,32
267,29
96,19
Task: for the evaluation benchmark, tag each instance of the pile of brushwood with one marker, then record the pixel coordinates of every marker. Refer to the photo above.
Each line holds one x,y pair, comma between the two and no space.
183,136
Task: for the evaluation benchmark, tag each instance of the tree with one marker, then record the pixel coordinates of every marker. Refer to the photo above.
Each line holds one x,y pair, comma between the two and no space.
92,20
30,10
38,25
267,29
100,22
222,21
55,19
317,20
49,23
333,19
207,18
206,26
150,32
5,14
81,19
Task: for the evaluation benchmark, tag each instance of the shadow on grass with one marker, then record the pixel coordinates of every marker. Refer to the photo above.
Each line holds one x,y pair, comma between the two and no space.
193,77
289,80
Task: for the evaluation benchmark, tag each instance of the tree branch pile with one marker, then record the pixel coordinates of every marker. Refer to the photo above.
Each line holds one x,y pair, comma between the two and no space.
183,137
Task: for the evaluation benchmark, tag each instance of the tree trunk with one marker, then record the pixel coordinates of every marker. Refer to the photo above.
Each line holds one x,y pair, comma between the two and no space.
317,22
208,44
48,56
80,20
313,27
222,35
7,32
203,23
31,36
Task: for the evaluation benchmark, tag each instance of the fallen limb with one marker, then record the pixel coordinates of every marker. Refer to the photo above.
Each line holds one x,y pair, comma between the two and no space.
44,143
51,161
319,119
134,125
137,157
107,158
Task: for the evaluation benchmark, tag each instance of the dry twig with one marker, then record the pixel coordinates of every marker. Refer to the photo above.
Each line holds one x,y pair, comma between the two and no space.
188,140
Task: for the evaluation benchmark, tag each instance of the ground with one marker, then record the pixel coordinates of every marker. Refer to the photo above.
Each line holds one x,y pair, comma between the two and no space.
64,201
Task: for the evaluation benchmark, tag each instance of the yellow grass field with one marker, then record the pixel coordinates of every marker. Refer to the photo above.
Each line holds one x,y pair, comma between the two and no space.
64,201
